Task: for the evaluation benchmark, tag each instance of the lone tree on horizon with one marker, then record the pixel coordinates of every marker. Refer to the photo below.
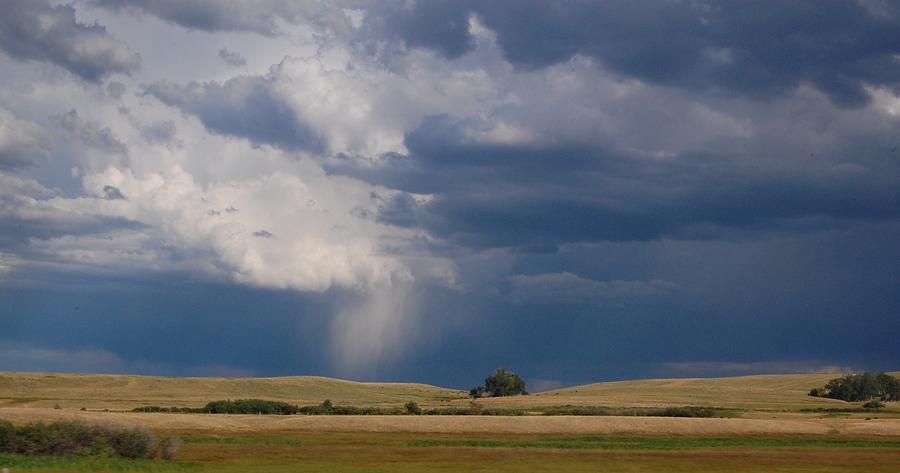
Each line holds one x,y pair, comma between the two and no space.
502,383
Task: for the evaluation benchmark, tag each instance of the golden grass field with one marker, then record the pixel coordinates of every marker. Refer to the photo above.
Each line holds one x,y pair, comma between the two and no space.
124,392
770,432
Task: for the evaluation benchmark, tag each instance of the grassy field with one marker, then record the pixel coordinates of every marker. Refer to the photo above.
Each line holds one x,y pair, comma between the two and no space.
405,452
122,392
774,431
765,392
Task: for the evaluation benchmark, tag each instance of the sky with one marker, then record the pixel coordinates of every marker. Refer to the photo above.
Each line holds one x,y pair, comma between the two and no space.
428,190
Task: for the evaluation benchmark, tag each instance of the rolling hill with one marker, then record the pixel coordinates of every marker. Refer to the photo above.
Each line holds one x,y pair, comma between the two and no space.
124,392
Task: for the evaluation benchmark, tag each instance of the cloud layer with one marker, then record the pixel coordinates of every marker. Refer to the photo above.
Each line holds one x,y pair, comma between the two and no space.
39,31
582,190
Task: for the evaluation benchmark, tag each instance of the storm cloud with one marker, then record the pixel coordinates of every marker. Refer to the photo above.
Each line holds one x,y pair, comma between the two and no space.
426,190
21,142
242,106
38,31
760,49
501,195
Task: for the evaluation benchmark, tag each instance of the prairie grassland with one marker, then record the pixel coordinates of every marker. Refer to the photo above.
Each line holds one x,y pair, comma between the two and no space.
772,434
611,425
122,392
764,392
408,452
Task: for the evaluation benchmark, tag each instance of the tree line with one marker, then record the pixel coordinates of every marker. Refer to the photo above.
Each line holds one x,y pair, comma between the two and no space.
859,387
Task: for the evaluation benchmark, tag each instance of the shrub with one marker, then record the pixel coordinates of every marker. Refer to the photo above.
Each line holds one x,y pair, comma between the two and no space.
474,410
249,406
816,392
685,412
413,408
873,404
7,436
578,411
57,438
172,410
168,447
132,443
76,438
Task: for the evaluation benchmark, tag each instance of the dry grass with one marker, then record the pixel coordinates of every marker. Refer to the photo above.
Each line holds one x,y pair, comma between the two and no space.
395,452
391,453
761,396
382,443
120,392
472,424
766,392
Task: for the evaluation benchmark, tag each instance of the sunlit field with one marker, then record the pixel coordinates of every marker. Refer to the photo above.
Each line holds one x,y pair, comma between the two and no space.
771,425
310,451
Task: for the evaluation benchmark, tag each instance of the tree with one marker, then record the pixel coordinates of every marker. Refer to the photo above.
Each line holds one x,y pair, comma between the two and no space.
889,387
863,387
502,383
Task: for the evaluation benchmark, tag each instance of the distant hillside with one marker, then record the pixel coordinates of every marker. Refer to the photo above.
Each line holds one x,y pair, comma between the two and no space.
761,391
776,392
126,392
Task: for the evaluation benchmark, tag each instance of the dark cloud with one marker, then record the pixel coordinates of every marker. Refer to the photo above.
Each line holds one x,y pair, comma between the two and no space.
90,133
116,89
243,106
569,288
113,193
21,142
232,58
163,132
696,191
35,30
137,343
27,213
756,49
259,16
527,196
437,24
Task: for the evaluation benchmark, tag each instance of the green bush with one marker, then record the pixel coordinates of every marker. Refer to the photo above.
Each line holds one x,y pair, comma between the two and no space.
873,404
412,408
57,438
250,406
132,443
7,436
578,411
172,410
685,412
348,411
76,438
